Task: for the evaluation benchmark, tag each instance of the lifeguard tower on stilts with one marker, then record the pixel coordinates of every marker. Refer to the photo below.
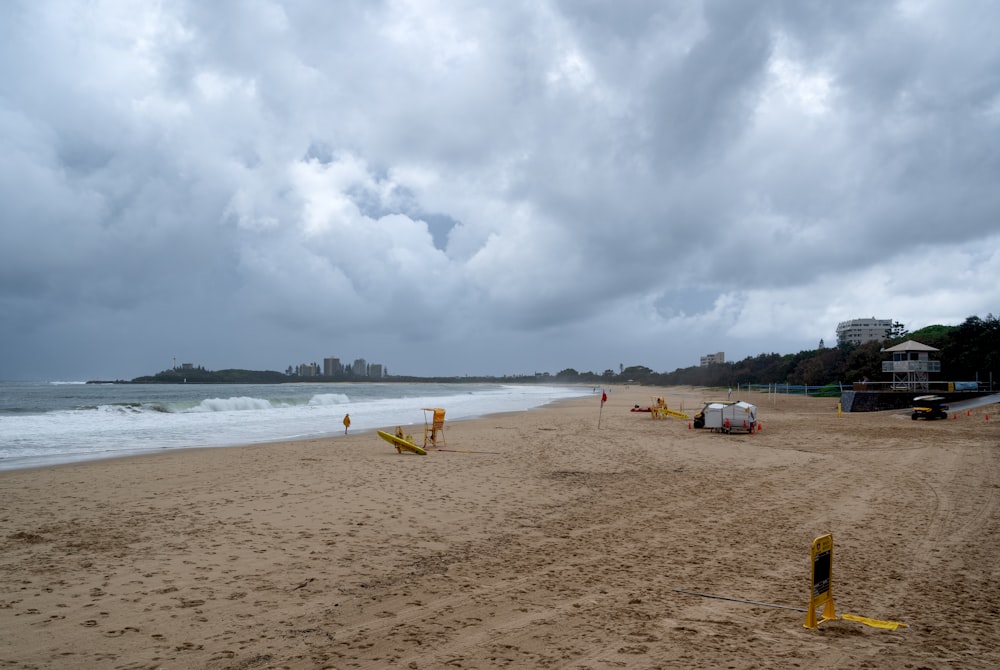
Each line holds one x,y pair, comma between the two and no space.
910,366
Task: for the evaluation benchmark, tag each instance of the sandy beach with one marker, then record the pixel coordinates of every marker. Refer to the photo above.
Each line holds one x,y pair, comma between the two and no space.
536,540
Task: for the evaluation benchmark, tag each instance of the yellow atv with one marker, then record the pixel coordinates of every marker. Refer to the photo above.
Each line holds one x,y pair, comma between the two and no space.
929,407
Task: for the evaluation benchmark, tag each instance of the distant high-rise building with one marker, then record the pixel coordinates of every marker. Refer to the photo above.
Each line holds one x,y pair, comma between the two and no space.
375,371
859,331
332,367
360,368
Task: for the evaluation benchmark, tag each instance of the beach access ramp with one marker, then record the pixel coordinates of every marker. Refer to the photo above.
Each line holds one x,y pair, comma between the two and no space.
972,403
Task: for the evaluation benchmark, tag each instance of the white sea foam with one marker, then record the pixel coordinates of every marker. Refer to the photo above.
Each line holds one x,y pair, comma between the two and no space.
126,420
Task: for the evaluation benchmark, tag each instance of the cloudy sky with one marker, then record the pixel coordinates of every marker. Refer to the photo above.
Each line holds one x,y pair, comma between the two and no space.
487,187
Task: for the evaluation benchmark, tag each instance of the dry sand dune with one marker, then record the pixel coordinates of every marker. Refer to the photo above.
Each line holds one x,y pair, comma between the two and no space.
539,541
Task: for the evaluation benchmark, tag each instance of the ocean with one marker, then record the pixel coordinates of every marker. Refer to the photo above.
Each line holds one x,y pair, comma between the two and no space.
47,423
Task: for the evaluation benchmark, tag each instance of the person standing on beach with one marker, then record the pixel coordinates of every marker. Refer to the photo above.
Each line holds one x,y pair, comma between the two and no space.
347,423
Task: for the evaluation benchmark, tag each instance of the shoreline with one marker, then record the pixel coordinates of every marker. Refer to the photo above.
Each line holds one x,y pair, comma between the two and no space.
333,435
292,433
536,540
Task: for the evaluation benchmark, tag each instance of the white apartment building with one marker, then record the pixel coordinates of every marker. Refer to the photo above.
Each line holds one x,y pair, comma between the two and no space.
859,331
713,359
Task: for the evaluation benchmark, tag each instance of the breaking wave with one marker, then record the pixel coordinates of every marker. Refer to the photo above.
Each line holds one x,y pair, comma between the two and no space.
324,399
242,403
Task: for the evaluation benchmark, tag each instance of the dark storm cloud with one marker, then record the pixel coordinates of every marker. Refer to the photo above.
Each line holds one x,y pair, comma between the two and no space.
463,188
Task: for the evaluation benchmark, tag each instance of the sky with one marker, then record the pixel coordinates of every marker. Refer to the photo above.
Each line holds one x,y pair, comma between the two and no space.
487,188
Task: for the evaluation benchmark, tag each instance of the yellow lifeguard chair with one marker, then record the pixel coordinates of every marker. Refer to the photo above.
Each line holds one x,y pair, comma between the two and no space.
433,426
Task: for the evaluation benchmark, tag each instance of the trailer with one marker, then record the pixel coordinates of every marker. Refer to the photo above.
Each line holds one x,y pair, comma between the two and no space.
728,417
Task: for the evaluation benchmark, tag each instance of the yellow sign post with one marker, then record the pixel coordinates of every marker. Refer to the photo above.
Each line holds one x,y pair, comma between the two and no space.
822,581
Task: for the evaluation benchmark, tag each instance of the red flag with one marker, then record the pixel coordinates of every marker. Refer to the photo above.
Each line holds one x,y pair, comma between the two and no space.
604,397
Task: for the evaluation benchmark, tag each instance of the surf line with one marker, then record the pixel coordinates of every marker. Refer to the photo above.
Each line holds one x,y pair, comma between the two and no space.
741,600
464,451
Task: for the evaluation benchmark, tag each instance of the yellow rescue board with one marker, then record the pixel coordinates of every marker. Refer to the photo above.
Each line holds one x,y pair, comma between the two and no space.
660,412
400,443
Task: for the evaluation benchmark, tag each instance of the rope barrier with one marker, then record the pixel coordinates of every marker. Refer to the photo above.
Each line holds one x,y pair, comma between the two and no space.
741,600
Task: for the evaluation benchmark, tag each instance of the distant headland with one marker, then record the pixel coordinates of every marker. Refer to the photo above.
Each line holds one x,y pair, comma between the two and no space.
200,375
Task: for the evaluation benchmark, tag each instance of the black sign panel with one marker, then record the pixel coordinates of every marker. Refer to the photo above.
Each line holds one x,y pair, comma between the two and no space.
822,564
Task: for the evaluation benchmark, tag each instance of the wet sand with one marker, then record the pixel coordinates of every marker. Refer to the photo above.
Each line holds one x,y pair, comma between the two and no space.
537,540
